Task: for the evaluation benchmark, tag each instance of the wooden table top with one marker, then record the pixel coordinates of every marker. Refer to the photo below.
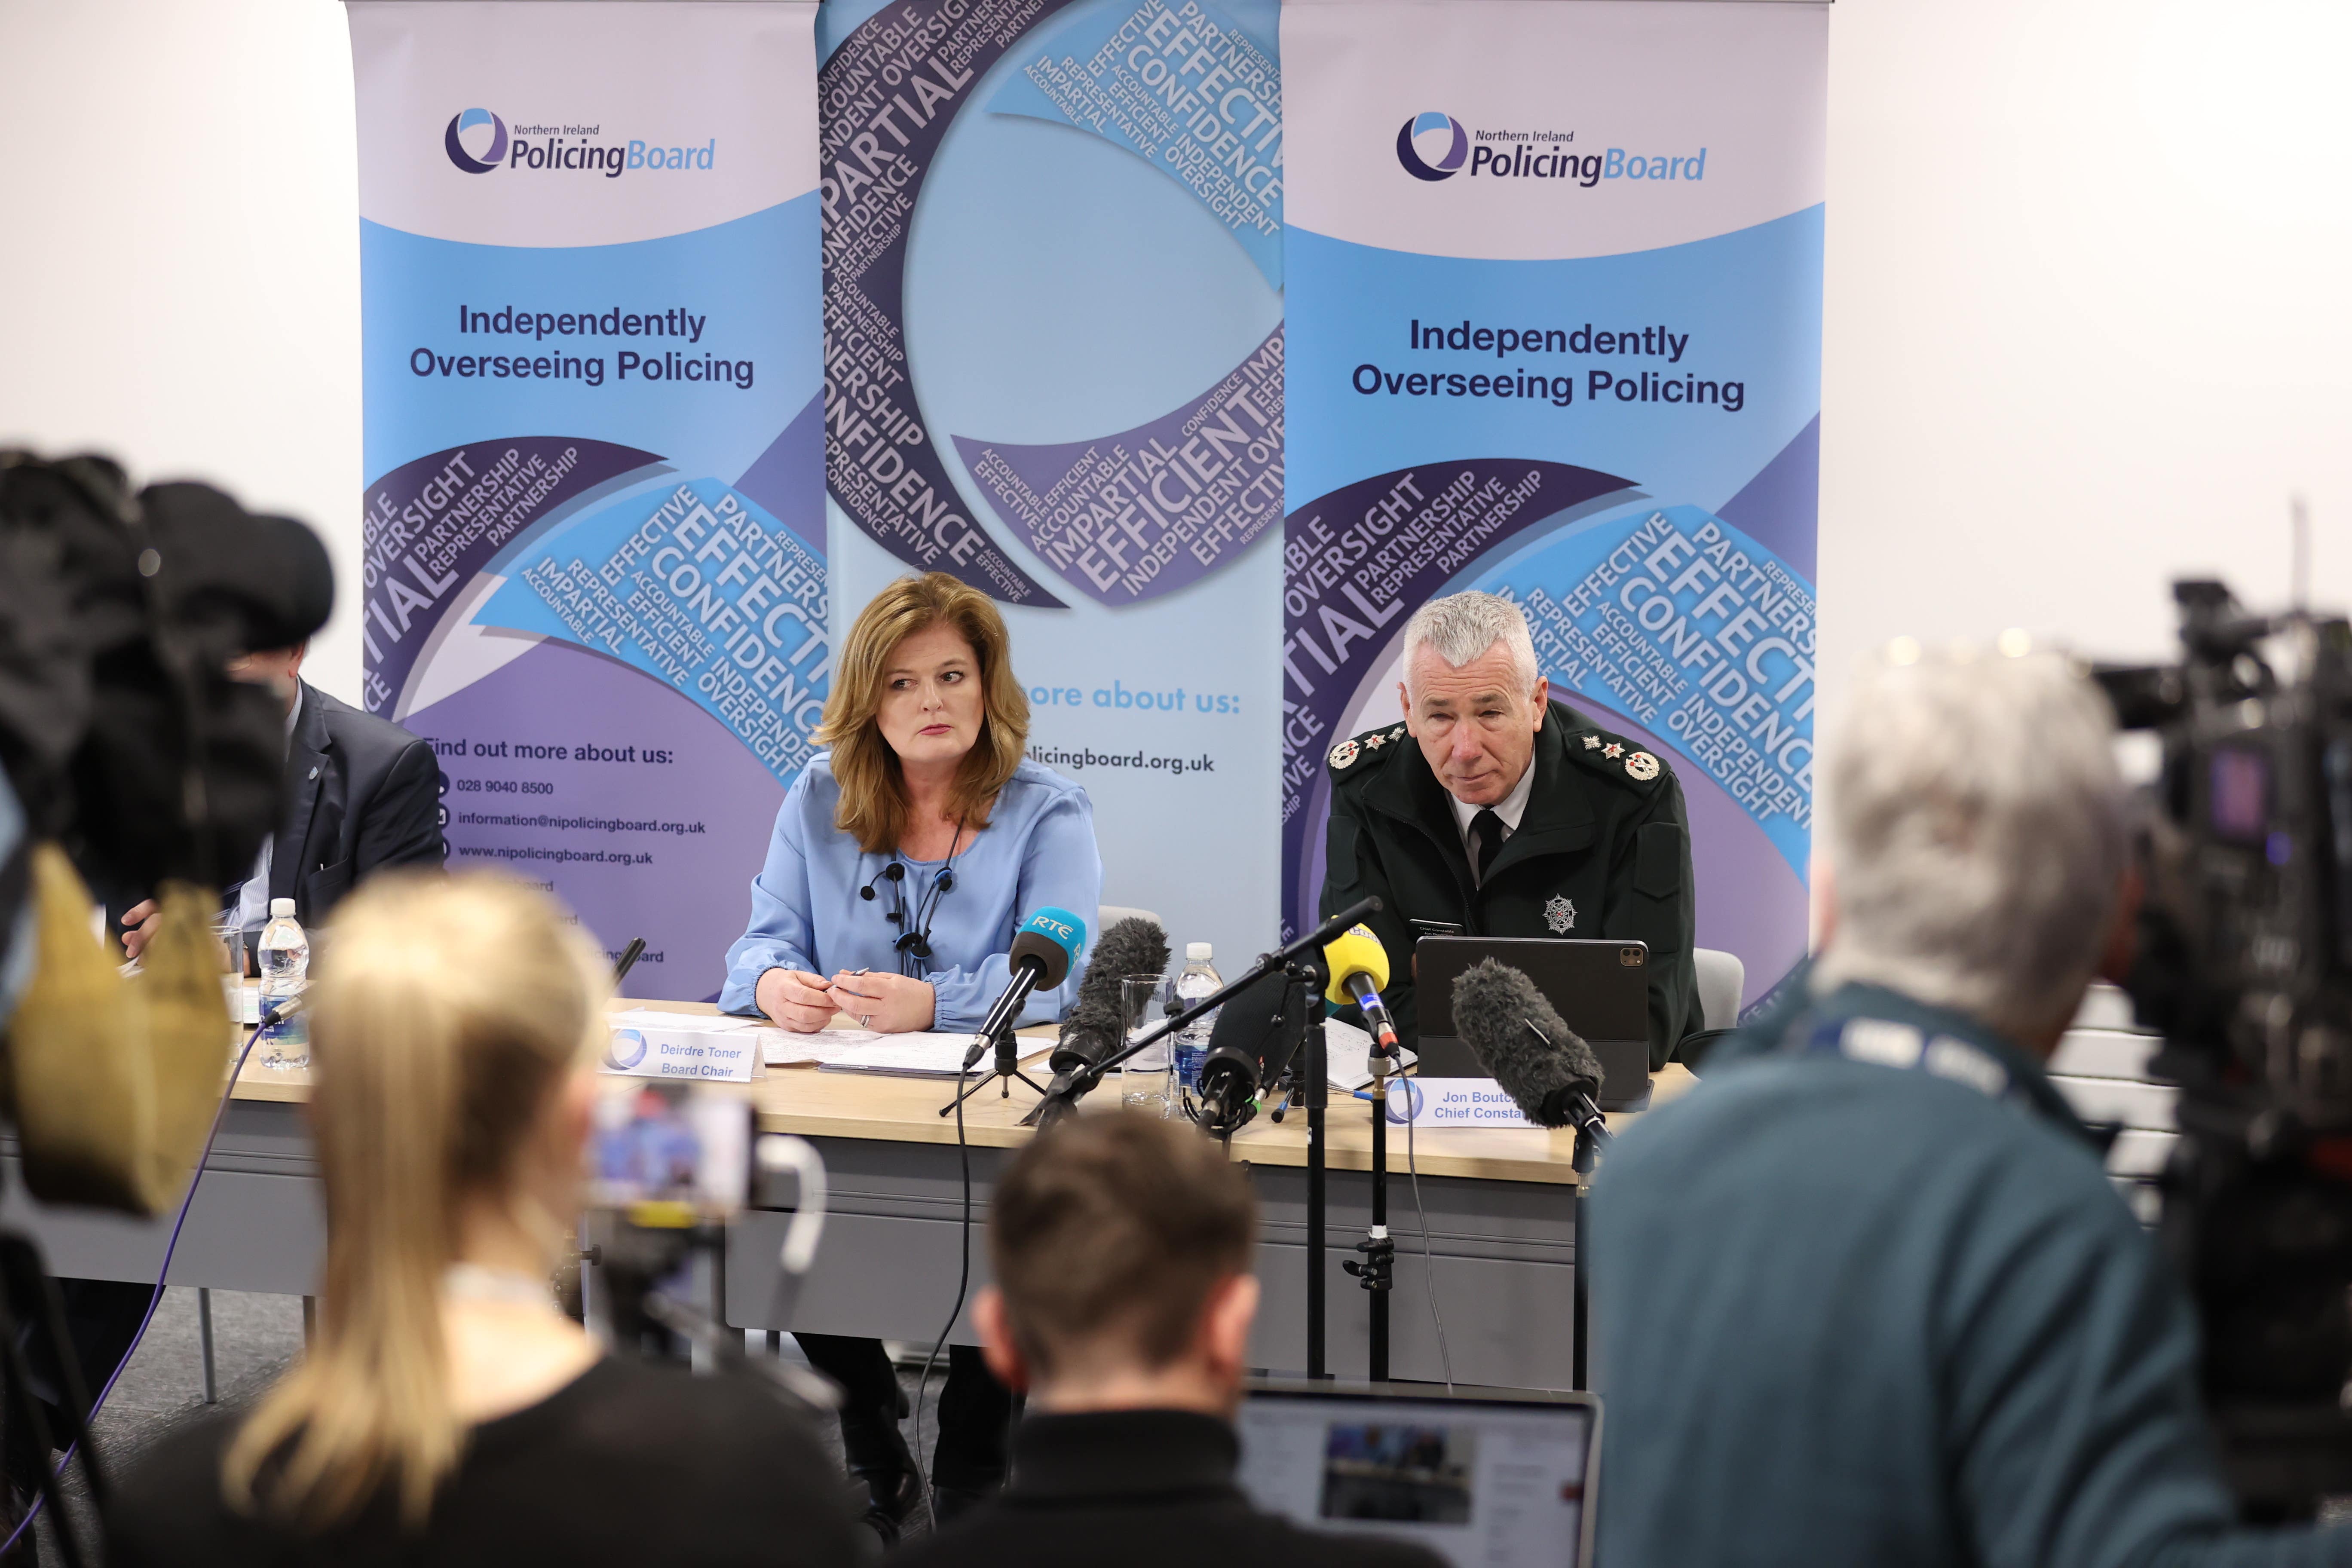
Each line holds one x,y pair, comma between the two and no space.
818,1104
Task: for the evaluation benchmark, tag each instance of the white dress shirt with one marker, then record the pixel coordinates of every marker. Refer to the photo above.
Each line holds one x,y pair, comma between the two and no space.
252,895
1510,808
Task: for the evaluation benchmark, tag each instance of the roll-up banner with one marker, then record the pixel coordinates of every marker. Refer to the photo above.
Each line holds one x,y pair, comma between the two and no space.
1555,275
595,567
1053,297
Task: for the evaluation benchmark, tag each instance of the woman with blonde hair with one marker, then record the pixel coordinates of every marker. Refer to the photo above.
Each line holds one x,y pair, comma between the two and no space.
903,861
447,1410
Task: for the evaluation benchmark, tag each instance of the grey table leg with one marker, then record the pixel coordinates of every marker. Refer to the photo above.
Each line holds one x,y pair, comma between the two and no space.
205,1338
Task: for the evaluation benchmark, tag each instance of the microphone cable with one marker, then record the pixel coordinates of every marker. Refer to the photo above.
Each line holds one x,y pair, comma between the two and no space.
195,1179
1428,1257
964,1281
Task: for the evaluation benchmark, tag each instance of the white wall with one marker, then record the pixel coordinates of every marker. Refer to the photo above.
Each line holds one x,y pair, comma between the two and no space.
2087,313
179,255
2087,293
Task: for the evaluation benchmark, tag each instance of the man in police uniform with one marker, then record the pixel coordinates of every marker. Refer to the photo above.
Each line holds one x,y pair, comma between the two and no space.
1494,811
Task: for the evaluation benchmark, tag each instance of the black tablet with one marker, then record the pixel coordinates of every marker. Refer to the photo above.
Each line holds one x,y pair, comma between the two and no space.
1600,986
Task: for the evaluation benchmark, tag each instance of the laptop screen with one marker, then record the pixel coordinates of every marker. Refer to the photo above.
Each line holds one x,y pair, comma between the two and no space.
1486,1477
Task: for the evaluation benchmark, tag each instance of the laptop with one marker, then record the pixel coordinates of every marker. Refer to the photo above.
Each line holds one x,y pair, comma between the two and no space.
1486,1477
1599,984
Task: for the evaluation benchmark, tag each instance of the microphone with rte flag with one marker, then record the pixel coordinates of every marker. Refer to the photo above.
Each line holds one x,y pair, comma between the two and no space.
1047,943
1359,967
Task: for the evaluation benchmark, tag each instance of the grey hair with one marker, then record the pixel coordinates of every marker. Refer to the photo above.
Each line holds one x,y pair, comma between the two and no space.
1461,626
1976,833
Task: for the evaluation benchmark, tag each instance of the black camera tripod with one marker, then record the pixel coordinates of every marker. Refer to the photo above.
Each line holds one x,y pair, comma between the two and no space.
29,1294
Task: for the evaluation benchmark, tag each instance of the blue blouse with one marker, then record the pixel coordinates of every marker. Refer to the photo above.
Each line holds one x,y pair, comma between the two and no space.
1038,848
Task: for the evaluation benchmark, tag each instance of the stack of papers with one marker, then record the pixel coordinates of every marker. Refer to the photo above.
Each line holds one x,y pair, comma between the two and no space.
924,1055
1348,1056
662,1018
928,1055
934,1054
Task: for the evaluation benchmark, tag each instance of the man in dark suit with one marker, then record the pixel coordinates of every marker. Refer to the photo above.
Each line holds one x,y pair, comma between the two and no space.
1122,1304
361,794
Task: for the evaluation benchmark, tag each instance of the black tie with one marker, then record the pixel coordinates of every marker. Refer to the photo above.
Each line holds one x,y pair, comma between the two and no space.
1486,837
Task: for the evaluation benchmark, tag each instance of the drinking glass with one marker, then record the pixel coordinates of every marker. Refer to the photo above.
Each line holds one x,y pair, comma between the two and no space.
1143,1081
230,934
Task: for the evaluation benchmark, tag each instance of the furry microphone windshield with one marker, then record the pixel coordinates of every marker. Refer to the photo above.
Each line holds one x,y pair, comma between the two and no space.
1093,1027
1519,1039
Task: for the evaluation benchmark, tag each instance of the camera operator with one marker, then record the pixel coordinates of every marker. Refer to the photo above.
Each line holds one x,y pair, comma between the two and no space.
1867,1296
363,795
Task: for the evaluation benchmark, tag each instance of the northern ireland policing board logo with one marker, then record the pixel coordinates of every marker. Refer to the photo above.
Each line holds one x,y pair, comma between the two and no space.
1561,915
1450,150
494,151
479,142
1643,766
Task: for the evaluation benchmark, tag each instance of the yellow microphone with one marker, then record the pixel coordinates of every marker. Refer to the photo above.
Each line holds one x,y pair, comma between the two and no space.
1359,967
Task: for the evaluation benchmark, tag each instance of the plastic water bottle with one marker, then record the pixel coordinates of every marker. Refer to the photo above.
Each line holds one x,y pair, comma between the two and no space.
1197,980
285,955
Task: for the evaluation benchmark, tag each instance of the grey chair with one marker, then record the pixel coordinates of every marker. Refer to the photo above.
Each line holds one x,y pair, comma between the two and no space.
1721,979
1109,915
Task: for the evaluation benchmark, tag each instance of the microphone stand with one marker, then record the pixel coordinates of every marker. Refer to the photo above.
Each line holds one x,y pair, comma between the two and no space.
1581,1160
1301,962
1377,1271
1306,982
1003,1070
1592,1135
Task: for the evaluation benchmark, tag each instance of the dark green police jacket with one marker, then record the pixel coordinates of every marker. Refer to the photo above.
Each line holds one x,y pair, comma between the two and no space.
1603,850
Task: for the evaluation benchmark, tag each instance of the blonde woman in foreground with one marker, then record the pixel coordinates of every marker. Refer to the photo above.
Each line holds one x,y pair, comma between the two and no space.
448,1412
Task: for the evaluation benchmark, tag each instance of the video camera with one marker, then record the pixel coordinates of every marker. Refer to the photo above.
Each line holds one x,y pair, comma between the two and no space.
673,1164
133,762
2244,964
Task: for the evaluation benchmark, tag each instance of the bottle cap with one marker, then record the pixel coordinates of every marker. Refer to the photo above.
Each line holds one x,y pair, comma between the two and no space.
1197,952
281,909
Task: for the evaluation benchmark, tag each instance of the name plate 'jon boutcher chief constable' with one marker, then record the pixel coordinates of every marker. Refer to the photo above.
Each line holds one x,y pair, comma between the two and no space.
1494,811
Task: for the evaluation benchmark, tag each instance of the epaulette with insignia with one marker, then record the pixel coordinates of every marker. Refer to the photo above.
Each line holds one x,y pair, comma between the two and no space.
1371,746
1614,757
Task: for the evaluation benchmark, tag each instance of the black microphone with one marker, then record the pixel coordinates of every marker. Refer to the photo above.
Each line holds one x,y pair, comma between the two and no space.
895,871
1532,1052
1096,1025
1255,1036
1040,954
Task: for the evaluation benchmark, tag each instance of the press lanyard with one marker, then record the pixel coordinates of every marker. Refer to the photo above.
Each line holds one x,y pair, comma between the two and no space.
1888,1043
